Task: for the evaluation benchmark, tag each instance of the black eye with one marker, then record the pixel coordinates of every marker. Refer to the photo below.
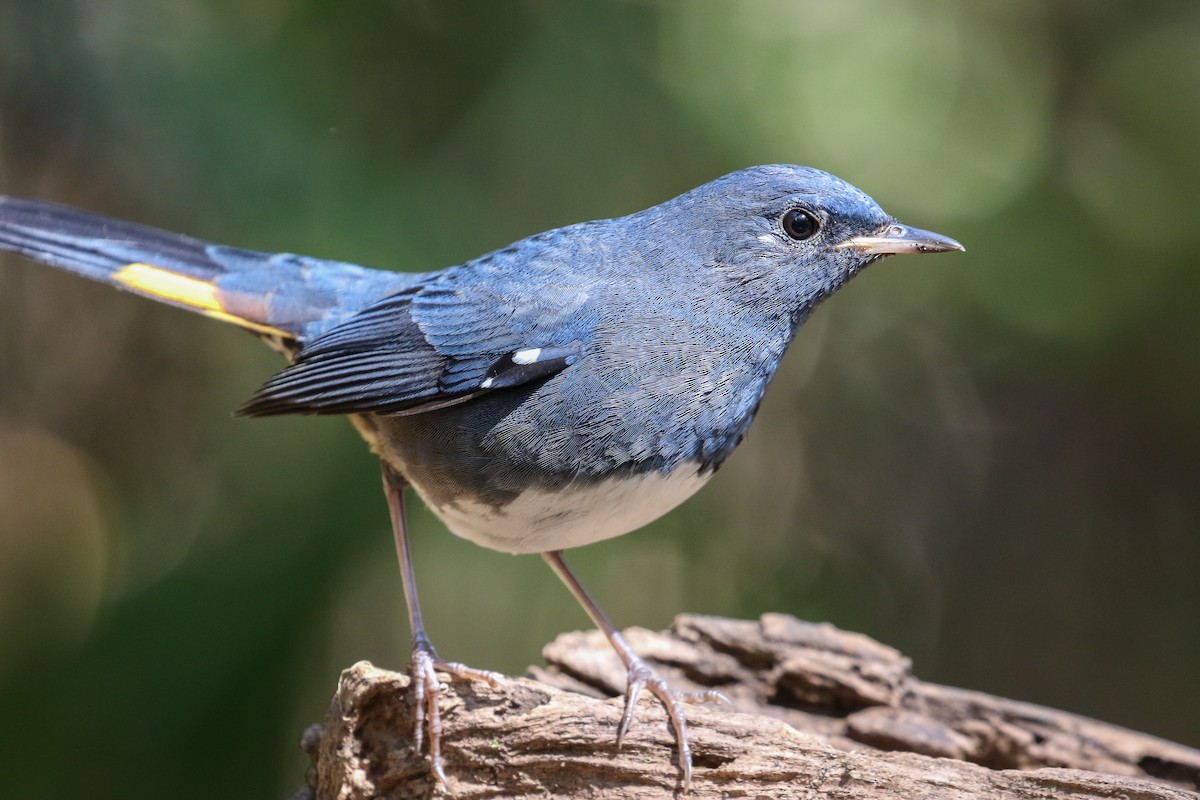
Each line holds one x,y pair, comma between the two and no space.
800,224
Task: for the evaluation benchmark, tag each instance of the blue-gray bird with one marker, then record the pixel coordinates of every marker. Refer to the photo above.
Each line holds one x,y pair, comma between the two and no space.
565,389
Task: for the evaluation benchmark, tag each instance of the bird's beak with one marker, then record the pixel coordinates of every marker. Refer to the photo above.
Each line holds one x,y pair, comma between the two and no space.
897,238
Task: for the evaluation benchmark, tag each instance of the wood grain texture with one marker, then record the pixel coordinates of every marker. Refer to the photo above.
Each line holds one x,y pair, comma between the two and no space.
818,712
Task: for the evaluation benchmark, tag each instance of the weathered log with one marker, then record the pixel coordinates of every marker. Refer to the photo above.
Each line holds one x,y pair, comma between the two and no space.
818,712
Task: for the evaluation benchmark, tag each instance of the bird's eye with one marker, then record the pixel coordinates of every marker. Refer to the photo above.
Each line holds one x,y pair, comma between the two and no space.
800,224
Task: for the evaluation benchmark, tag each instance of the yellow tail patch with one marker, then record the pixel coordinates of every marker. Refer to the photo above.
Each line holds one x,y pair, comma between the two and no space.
191,292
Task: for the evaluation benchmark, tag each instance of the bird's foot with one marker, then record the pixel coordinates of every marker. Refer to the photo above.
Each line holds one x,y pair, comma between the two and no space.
426,689
639,677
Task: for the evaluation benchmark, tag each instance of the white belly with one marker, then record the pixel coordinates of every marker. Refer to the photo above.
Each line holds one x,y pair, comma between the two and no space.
539,521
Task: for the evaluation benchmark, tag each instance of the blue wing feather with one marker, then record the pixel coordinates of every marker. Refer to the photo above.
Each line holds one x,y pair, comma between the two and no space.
446,339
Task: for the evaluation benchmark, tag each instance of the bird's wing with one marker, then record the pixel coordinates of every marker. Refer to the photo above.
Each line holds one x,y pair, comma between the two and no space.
498,322
278,295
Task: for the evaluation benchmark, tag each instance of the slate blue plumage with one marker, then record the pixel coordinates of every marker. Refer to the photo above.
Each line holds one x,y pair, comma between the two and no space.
570,387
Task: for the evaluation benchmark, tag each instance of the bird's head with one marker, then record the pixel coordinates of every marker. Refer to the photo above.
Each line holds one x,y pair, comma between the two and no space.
787,236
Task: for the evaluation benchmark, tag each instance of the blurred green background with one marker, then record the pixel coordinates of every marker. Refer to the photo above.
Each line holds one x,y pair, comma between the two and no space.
987,460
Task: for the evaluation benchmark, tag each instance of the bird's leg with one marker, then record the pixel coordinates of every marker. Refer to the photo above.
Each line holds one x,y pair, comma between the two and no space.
639,676
425,661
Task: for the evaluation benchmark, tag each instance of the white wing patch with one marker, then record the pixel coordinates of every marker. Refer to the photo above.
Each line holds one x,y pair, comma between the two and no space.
529,356
530,364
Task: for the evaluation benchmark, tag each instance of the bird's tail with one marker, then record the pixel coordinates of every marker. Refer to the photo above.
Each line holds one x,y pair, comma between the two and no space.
277,295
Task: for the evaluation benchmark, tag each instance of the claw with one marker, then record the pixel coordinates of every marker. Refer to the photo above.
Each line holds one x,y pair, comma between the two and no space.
427,688
642,677
635,682
706,696
638,675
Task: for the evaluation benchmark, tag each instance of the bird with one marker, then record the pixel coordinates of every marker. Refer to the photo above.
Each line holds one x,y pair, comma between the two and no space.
568,388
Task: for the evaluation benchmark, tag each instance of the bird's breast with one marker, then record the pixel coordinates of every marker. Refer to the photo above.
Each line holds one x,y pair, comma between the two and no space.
540,519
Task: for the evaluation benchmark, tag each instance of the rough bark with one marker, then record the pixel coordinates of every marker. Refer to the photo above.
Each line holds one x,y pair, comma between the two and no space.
821,713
